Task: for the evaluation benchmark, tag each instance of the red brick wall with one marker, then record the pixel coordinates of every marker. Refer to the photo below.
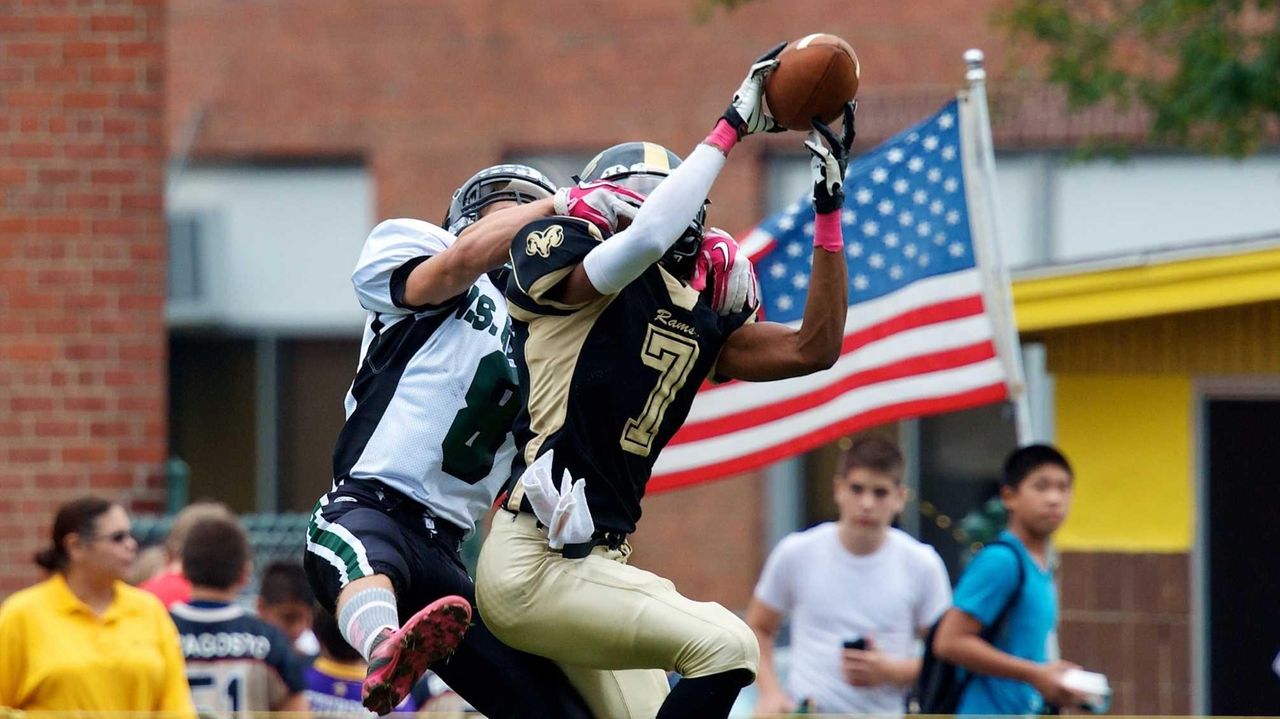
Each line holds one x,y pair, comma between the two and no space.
82,253
429,92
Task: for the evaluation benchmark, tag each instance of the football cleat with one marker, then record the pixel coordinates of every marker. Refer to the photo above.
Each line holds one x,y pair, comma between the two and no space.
398,658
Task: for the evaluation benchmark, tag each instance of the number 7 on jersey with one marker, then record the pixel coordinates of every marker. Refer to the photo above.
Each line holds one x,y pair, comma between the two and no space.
673,356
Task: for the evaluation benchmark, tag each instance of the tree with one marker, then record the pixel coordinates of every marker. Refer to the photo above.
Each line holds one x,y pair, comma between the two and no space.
1208,71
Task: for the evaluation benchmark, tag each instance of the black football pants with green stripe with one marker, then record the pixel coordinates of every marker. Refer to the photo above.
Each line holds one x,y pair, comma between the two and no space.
364,528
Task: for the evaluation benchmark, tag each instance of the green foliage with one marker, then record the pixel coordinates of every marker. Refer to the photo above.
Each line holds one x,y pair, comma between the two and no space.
1207,70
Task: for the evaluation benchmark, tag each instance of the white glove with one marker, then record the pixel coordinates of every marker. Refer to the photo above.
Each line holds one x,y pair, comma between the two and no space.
827,167
744,288
746,111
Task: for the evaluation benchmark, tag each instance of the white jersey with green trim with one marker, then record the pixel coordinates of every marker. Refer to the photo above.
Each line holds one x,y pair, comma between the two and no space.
429,413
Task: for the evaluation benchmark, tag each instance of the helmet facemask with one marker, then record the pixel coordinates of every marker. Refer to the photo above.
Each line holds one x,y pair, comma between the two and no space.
517,183
679,260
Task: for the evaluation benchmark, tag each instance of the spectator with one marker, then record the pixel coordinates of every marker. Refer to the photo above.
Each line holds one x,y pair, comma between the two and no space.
853,580
285,601
149,563
83,640
1012,673
169,584
235,661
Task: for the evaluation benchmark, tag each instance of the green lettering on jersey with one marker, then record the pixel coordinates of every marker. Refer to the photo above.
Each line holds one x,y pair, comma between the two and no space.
478,310
484,313
464,306
480,427
506,335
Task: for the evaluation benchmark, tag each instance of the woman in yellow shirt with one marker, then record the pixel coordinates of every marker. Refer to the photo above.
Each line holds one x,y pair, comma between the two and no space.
83,640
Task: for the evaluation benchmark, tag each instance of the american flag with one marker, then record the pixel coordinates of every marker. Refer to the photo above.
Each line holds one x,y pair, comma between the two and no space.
917,340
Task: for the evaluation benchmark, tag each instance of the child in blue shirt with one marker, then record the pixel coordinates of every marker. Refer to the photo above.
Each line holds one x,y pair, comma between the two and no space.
1013,674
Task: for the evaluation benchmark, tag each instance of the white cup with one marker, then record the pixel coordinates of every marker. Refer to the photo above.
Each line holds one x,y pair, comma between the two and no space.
1094,687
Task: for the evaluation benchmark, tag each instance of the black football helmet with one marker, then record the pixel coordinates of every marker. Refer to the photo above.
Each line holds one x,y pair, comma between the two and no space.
640,166
520,183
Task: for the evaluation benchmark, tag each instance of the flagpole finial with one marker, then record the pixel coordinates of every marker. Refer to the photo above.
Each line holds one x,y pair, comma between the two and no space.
973,58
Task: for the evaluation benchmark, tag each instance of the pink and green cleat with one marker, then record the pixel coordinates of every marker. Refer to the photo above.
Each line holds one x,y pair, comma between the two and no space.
399,658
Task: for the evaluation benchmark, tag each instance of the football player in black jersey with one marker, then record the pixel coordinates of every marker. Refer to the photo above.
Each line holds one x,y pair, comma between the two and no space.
612,342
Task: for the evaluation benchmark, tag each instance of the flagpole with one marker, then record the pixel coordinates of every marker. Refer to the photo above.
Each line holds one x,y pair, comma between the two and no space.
999,293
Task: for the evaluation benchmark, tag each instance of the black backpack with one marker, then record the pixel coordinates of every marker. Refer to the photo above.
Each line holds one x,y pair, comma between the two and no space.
939,688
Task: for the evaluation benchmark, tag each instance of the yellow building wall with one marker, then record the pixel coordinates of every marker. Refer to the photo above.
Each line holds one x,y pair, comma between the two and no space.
1126,413
1129,439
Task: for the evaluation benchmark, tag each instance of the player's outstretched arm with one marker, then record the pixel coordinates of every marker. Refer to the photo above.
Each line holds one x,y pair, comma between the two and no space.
666,213
481,247
769,350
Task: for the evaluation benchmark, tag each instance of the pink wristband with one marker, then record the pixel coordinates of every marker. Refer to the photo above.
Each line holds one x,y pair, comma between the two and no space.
723,137
827,231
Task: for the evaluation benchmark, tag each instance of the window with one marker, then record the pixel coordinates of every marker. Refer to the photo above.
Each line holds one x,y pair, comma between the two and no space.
186,236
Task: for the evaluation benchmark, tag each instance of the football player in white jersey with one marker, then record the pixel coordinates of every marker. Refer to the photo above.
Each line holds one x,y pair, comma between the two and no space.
426,446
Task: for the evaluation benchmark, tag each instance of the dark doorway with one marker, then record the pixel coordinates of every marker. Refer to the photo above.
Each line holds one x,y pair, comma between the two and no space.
212,416
1243,492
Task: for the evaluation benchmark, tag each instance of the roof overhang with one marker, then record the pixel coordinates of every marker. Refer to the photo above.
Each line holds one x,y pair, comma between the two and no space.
1158,282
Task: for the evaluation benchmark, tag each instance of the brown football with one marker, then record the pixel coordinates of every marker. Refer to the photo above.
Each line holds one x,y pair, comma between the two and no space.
816,75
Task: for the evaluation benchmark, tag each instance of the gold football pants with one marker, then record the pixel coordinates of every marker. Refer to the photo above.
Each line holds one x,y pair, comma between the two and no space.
614,629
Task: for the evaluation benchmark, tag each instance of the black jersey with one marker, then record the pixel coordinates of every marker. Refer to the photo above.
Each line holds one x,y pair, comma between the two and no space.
605,383
235,661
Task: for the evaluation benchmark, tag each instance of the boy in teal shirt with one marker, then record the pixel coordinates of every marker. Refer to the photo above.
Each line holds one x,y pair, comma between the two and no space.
1013,674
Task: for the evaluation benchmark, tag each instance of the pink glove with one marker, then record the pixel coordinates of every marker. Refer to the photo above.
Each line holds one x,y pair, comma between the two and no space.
601,203
735,287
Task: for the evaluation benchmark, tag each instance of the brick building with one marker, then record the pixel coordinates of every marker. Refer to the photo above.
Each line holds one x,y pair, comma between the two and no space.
82,262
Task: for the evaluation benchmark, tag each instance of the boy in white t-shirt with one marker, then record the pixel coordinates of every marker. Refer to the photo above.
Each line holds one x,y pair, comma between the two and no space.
856,578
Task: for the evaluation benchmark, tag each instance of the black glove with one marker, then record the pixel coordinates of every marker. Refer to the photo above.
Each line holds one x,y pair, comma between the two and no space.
829,165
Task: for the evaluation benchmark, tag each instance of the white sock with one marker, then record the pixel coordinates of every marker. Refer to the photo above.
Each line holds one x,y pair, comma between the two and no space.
364,615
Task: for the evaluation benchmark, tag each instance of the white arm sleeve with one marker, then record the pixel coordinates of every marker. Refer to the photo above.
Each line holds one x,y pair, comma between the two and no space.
661,220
